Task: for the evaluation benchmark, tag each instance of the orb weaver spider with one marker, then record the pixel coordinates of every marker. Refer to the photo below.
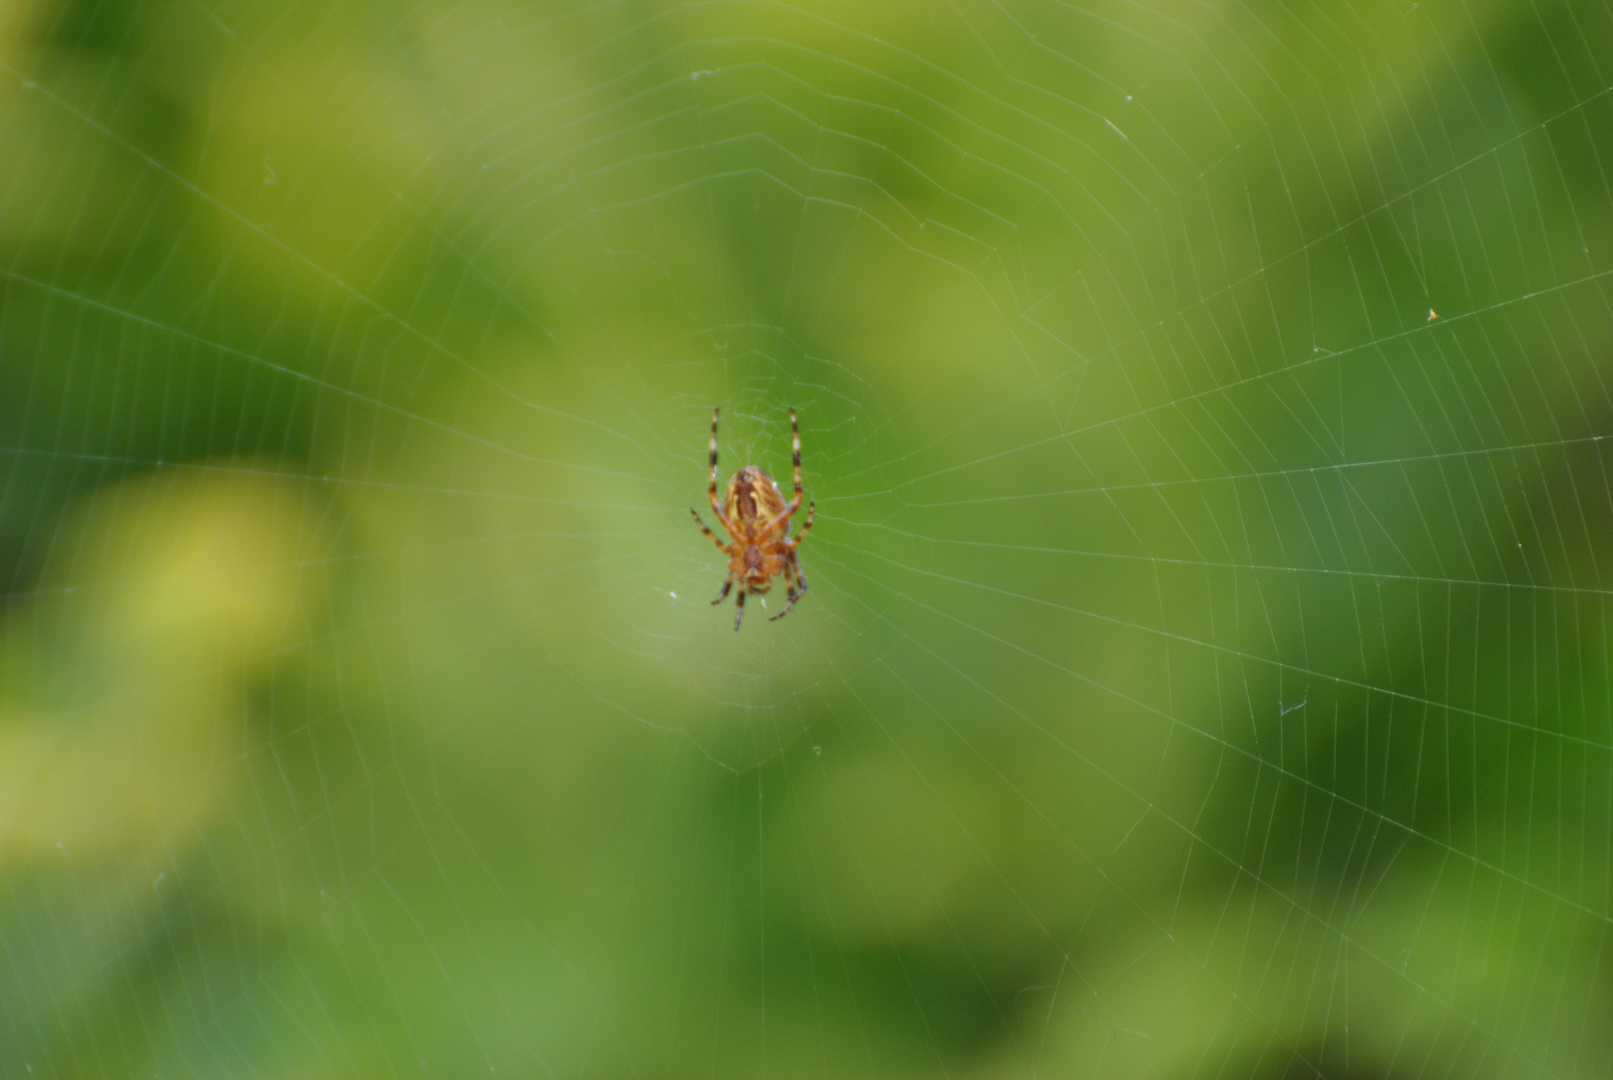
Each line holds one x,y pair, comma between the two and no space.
757,517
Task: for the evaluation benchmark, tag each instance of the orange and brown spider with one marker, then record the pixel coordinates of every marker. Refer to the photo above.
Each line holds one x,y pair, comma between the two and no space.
757,517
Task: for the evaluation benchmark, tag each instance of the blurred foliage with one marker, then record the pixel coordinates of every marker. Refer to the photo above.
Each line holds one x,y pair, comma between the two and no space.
1205,671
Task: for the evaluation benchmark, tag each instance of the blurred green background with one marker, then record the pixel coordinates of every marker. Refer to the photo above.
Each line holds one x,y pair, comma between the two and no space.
1206,666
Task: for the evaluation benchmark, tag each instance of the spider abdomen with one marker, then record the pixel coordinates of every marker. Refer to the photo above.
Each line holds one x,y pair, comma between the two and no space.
754,500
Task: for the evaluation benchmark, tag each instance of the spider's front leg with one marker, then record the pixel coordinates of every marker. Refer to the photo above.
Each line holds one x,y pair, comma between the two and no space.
711,484
739,607
783,516
729,584
795,588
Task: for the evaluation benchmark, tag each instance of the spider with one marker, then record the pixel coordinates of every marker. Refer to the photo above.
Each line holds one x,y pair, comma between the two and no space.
757,517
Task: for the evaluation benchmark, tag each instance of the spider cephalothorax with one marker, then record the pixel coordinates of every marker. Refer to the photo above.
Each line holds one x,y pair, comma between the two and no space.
755,514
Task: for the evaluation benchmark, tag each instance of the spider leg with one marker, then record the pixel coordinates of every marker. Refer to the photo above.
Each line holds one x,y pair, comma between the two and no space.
791,569
713,536
739,608
795,450
729,584
812,510
711,483
795,503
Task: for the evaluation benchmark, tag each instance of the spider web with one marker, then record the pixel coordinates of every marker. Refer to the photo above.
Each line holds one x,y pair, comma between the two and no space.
1204,671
